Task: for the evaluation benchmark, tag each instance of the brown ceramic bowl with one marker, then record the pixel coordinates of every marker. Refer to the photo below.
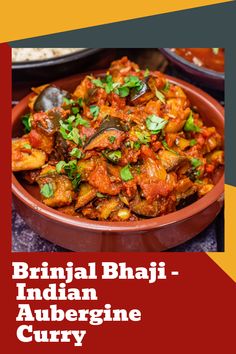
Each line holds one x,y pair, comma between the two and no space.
154,234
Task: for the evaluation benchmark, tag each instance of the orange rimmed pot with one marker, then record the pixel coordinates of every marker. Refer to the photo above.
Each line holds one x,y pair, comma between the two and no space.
154,234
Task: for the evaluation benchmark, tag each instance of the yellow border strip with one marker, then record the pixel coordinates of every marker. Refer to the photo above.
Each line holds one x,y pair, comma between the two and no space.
27,20
227,260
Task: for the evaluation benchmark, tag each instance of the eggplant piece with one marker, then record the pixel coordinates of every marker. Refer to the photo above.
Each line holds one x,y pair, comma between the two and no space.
51,121
108,206
85,195
61,148
141,207
31,176
109,135
134,93
111,123
184,202
61,187
184,189
49,98
171,161
113,156
141,96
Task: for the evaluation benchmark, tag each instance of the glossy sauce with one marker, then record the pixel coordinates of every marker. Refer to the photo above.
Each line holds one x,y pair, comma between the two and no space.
205,57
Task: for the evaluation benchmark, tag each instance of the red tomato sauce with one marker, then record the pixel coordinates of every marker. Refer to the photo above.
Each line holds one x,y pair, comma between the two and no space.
210,58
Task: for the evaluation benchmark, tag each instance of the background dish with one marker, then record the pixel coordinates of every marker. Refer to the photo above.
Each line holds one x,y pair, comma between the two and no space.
206,77
22,55
50,69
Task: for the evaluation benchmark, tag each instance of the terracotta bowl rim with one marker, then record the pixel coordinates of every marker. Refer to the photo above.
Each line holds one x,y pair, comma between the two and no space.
213,196
211,73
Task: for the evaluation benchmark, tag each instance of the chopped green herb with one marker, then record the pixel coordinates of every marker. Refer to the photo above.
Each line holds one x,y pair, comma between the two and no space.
113,156
196,162
80,101
130,83
100,195
63,132
125,174
81,121
94,110
47,190
69,121
112,139
68,101
167,86
155,123
68,128
97,82
137,145
76,181
198,181
193,142
215,50
189,125
26,122
27,146
74,136
133,81
127,144
160,96
143,137
166,146
123,91
71,168
60,165
76,153
146,72
109,84
75,110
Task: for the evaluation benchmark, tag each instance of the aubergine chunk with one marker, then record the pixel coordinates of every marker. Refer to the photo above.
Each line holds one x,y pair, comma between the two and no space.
142,207
184,189
24,157
171,161
109,135
49,122
49,98
61,148
85,195
56,190
142,96
108,206
31,176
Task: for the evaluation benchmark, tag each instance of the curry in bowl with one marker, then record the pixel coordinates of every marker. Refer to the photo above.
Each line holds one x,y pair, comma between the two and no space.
121,147
209,58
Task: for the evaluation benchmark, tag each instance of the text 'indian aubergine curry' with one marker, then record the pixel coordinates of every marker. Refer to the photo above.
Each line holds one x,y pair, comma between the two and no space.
121,147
